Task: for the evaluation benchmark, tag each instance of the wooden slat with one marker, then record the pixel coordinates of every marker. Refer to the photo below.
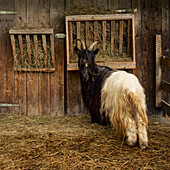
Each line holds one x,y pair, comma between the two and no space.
70,35
47,70
98,17
165,86
14,49
87,33
120,37
165,107
29,50
52,49
128,36
31,31
112,36
95,31
104,34
78,34
21,49
115,65
165,62
36,50
158,71
45,49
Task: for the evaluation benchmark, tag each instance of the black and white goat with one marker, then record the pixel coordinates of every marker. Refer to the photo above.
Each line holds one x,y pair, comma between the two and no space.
113,96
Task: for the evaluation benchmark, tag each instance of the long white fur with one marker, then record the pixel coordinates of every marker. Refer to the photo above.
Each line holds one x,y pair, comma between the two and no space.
123,101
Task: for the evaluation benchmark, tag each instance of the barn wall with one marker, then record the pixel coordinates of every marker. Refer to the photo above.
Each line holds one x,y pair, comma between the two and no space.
58,92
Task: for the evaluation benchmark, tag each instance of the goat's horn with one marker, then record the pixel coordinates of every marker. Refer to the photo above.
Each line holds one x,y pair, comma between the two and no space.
82,42
91,47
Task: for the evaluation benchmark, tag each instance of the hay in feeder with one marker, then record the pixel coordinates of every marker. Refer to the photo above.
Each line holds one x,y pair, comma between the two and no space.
110,54
51,142
36,61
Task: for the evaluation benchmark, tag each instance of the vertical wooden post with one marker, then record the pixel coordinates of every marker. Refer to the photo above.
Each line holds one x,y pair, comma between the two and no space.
21,49
120,37
112,36
70,35
29,50
14,49
78,34
158,90
87,34
104,35
36,50
52,49
45,49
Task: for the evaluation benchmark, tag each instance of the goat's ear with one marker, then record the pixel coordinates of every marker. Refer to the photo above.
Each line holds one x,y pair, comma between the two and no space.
95,51
77,50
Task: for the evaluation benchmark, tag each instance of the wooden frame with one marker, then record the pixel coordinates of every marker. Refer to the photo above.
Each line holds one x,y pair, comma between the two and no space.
43,32
102,18
161,85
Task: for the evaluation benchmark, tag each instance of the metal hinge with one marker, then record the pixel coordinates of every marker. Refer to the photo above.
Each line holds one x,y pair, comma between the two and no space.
61,35
8,12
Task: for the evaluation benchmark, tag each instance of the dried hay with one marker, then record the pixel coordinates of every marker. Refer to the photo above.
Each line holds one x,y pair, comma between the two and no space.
51,142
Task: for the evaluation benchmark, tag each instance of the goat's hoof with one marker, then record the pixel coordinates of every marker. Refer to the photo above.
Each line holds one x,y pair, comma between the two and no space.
143,145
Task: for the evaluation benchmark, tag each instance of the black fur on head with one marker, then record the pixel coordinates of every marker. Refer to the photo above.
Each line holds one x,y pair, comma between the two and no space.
86,61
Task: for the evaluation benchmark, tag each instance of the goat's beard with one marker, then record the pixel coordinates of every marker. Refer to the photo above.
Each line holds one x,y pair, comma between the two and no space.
85,75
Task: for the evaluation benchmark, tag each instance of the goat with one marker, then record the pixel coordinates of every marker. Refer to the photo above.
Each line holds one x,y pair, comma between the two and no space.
114,97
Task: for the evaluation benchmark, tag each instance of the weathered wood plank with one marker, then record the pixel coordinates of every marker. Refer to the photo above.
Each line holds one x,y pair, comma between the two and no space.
158,90
95,31
165,107
104,34
45,49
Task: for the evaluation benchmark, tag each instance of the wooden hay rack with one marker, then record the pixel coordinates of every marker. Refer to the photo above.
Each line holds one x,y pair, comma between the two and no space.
161,85
115,34
33,49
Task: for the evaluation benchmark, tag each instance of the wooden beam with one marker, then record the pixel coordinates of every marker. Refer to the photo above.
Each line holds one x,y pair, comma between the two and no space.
165,86
32,31
165,107
95,31
158,91
48,70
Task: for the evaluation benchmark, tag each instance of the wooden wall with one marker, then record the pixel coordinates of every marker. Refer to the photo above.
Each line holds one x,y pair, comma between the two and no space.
46,93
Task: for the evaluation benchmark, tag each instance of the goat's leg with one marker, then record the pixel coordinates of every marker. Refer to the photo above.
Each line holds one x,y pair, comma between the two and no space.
142,133
131,132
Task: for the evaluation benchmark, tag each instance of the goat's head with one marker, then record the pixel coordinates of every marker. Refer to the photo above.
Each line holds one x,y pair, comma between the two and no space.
86,61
